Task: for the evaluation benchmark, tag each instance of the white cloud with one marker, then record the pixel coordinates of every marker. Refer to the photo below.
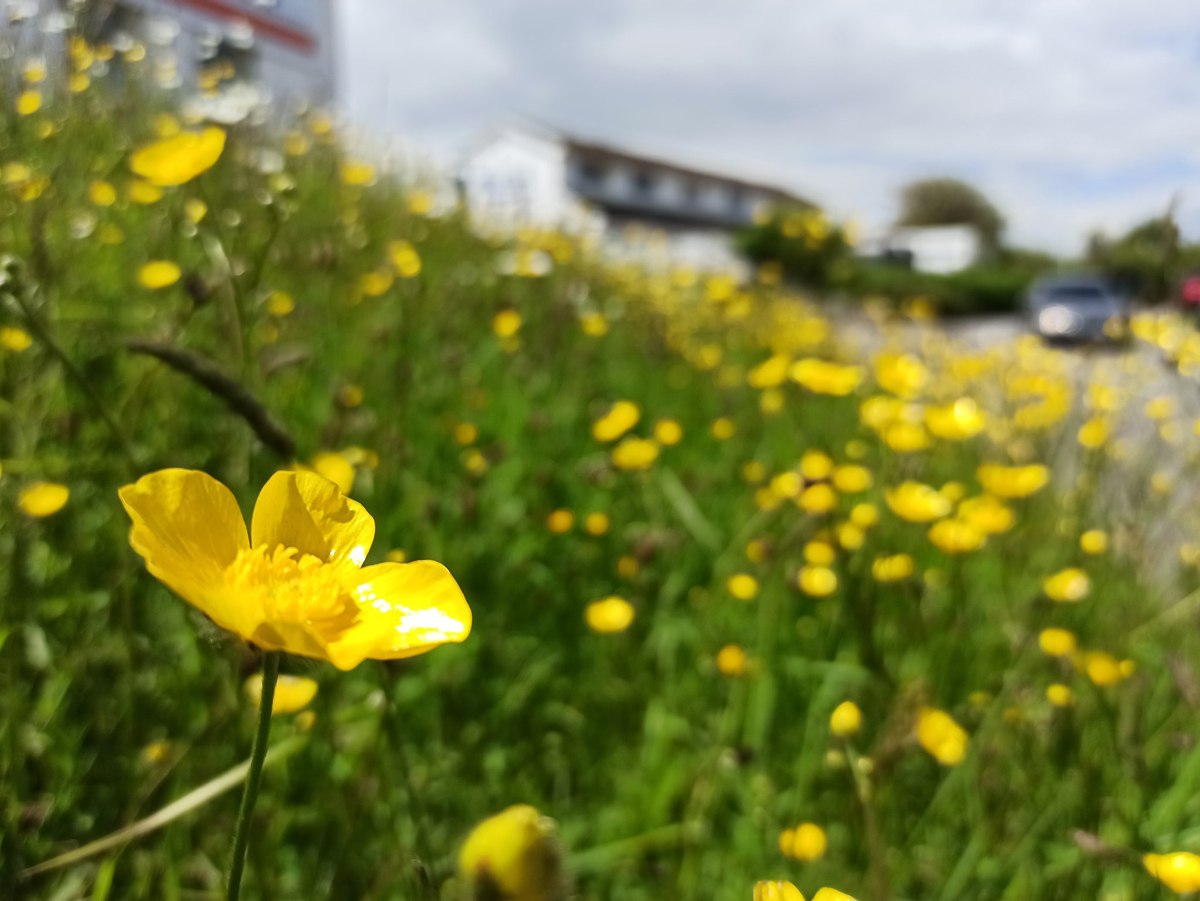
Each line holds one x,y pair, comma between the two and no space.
1071,114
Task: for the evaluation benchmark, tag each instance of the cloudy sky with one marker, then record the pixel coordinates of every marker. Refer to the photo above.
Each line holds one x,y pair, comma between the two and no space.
1072,115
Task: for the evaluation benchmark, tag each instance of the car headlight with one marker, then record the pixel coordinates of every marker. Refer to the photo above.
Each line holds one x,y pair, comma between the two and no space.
1058,320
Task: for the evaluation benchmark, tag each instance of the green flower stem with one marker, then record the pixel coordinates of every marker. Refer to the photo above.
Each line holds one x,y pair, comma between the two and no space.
258,752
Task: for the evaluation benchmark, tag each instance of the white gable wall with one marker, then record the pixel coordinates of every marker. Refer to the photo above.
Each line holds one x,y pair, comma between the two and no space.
516,178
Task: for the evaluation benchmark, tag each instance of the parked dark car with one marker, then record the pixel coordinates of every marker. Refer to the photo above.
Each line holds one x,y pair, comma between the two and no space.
1077,307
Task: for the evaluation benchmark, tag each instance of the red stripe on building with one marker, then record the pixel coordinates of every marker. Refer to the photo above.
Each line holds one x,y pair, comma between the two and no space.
260,24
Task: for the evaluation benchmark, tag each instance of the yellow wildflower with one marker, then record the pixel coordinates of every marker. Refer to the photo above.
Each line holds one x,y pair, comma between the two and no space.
15,339
817,581
620,418
1057,642
280,303
292,693
512,855
722,429
953,536
180,158
29,102
742,586
916,502
405,259
1068,585
731,660
635,453
893,568
158,274
102,193
613,614
1012,481
845,720
1094,541
42,499
941,736
506,323
957,421
668,432
819,553
816,499
1058,694
852,479
295,582
1180,872
821,377
767,890
560,521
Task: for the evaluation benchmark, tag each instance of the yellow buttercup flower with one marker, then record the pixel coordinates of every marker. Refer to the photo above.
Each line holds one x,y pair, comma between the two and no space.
1058,694
809,843
29,102
770,373
850,536
292,693
1180,872
941,736
620,418
611,615
375,284
513,855
754,472
594,324
1102,668
357,174
830,894
893,568
628,567
731,660
466,433
405,259
15,339
280,303
1068,585
821,377
102,193
864,515
722,429
144,192
819,553
901,374
180,158
296,582
815,465
635,453
957,421
817,581
335,467
596,524
506,323
767,890
159,274
195,209
42,499
1057,642
1012,481
817,499
560,521
916,502
906,437
852,479
987,514
668,432
1094,541
953,536
1094,433
845,720
742,586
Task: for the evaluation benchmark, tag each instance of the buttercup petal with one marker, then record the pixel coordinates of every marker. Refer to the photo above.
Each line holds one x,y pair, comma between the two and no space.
188,528
307,511
404,609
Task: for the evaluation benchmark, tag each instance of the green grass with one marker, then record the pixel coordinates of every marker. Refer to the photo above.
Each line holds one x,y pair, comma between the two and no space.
666,779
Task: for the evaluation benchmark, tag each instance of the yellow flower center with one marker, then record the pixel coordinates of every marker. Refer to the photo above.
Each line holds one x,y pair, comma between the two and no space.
295,588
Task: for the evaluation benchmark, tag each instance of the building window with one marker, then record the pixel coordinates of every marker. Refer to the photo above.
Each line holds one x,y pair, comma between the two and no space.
737,199
592,173
643,184
691,192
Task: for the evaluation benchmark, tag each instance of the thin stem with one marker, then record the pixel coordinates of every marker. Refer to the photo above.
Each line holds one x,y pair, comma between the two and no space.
258,752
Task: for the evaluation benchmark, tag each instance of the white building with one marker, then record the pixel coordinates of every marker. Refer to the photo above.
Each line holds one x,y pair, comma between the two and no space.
523,176
931,248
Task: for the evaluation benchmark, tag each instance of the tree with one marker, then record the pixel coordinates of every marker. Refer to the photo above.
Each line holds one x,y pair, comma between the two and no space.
948,201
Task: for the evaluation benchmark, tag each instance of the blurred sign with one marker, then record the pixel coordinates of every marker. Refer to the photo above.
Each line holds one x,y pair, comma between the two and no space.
295,24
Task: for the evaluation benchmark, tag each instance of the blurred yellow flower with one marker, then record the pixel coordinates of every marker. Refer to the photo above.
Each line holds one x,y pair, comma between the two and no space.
1094,541
986,514
635,453
512,855
613,614
852,479
845,720
180,158
767,890
466,433
893,568
1058,694
102,193
864,515
808,843
957,421
594,324
850,536
722,429
953,536
377,283
1160,408
357,173
596,524
195,209
916,502
742,586
817,499
815,465
158,274
506,323
1068,585
1094,432
832,894
280,303
756,551
731,660
560,521
292,693
156,751
15,339
941,736
769,374
335,467
397,555
405,259
296,582
144,192
628,567
1012,481
906,437
819,553
42,499
821,377
29,102
668,432
1057,642
1180,872
817,581
754,472
901,374
620,418
1102,668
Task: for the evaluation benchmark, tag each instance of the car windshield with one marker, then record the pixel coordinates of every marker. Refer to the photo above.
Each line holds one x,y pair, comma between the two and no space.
1075,294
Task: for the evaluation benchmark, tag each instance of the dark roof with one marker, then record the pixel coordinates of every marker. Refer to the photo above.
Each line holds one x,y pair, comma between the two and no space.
594,150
